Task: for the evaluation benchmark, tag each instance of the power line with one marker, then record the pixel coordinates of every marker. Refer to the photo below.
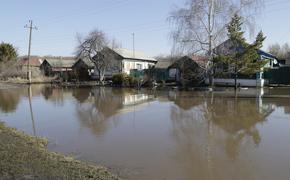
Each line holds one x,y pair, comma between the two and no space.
30,27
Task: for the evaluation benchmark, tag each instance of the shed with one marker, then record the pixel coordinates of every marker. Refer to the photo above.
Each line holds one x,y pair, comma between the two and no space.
160,71
51,67
187,72
83,69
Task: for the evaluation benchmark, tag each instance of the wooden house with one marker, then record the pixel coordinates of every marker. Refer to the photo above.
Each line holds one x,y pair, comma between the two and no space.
160,72
53,67
187,72
83,69
34,63
182,70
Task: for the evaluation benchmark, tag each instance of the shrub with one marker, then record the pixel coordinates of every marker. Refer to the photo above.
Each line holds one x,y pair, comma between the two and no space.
122,79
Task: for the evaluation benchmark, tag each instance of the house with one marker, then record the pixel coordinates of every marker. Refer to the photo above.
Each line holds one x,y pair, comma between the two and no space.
134,60
187,72
255,80
124,61
202,61
52,67
34,63
160,72
83,69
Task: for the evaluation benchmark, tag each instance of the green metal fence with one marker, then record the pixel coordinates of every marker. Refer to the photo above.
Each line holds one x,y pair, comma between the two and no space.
280,75
136,73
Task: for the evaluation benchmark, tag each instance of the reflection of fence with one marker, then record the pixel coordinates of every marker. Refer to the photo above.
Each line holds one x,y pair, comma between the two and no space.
280,75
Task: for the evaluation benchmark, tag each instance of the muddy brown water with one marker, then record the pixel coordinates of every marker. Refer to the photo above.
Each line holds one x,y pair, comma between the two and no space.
162,135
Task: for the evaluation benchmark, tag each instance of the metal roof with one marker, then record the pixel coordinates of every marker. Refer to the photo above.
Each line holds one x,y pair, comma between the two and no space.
129,54
164,64
33,61
56,63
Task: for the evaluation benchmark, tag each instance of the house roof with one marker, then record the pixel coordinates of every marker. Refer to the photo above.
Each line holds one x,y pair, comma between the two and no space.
180,61
57,63
129,54
267,55
87,62
200,60
33,61
227,47
164,64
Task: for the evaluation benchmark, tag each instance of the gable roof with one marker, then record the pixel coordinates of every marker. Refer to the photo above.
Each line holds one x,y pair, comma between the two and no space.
57,63
165,63
129,54
33,61
184,61
86,61
266,55
227,48
200,60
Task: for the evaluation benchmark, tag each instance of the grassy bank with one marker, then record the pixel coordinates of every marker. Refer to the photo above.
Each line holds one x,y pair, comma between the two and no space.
26,157
38,80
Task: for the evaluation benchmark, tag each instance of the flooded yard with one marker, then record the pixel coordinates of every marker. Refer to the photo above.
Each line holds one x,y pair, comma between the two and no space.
162,135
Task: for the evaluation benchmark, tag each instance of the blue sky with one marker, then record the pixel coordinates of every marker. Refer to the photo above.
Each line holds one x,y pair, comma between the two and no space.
59,21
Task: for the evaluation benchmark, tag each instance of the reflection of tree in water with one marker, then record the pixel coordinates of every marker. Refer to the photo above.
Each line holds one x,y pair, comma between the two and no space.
238,118
81,94
186,100
187,130
213,126
47,92
101,106
9,100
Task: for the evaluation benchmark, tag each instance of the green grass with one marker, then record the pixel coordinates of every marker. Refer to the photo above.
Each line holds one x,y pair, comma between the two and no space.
26,157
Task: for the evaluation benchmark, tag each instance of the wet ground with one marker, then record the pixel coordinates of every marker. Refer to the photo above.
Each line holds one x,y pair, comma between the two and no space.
168,135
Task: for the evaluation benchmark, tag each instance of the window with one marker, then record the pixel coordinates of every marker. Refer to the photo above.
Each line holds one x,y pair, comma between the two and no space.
139,66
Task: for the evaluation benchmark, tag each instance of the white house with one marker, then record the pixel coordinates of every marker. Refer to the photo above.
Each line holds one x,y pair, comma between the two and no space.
127,60
134,60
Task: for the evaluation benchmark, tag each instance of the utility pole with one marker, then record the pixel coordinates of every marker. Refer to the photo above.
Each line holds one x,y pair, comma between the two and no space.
30,27
133,34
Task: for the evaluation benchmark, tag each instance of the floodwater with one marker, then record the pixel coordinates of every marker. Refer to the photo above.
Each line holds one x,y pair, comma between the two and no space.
162,135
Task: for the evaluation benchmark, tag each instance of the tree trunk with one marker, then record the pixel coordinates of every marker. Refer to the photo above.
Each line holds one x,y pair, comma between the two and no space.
101,78
236,84
210,44
236,74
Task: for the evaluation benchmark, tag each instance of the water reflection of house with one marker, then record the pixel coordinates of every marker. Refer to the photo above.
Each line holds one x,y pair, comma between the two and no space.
99,110
214,130
135,99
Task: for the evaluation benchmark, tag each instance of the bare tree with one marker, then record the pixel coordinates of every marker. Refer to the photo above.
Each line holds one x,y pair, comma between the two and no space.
280,51
200,25
115,44
94,47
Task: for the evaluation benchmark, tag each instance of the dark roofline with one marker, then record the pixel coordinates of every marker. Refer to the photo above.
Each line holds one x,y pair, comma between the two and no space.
261,52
